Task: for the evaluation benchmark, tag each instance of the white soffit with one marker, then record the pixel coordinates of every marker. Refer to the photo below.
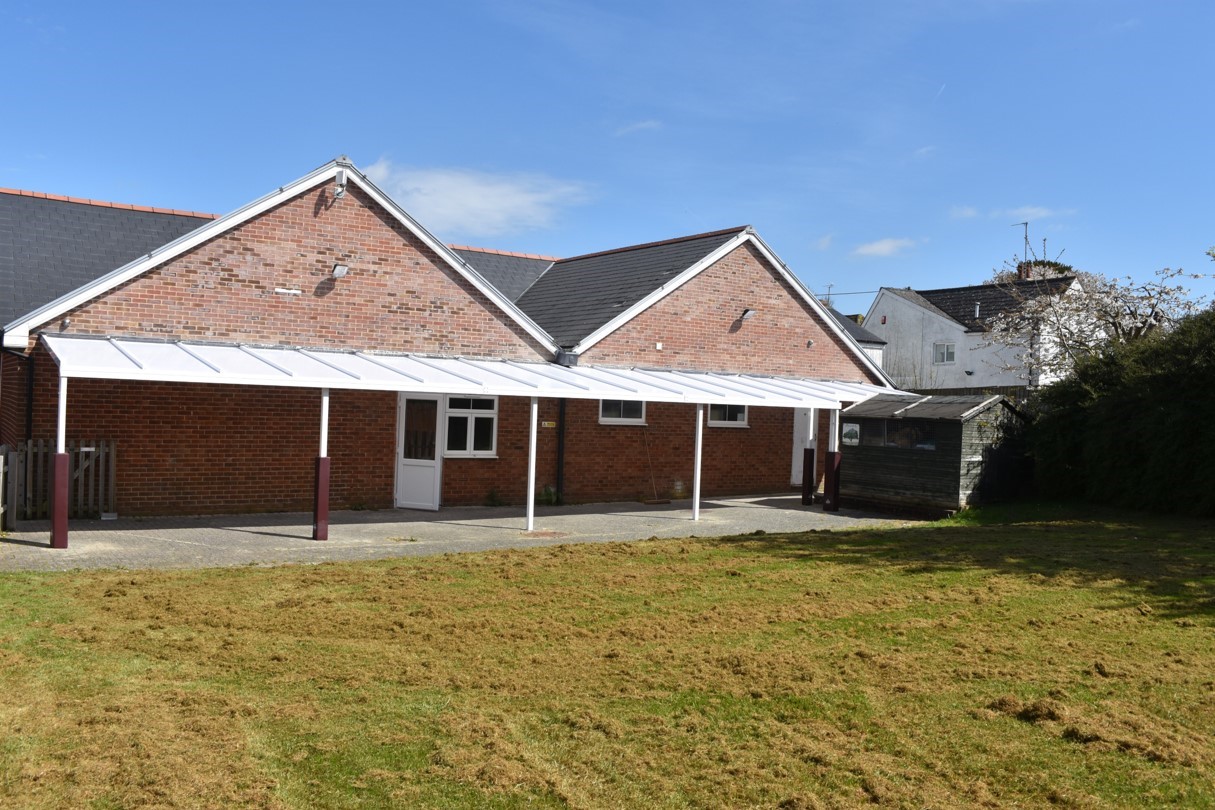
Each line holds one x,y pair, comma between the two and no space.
234,364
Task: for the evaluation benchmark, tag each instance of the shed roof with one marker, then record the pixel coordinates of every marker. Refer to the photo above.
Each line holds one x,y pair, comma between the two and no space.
51,245
957,408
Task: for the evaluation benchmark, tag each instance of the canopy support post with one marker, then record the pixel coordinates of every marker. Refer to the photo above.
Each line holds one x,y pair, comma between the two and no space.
60,474
700,423
810,459
831,477
531,465
320,504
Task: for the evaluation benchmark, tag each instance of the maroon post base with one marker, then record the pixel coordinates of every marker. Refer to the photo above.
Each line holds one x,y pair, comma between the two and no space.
320,508
831,483
59,501
808,476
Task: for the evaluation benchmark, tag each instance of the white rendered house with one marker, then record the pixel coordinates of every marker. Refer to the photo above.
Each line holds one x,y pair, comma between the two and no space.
941,339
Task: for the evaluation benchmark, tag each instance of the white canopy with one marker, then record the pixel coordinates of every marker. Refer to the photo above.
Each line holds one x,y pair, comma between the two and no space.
235,364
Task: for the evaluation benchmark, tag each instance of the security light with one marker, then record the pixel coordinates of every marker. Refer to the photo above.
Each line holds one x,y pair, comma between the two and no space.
747,313
340,270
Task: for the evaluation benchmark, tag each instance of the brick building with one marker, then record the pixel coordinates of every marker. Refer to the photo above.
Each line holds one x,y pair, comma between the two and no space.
319,347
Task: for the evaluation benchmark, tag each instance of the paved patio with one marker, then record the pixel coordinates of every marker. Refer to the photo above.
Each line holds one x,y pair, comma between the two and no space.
275,539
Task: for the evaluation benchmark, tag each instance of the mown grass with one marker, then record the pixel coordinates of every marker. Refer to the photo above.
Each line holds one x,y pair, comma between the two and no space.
1021,657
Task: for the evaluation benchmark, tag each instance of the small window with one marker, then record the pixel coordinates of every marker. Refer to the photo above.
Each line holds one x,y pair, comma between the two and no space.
472,424
727,415
904,435
621,412
943,353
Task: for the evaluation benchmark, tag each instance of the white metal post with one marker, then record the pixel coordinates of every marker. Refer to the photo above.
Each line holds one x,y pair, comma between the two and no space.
700,412
61,427
833,437
531,466
324,422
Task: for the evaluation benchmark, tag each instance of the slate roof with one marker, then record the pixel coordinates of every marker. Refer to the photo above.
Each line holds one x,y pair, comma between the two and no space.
859,333
941,408
958,303
50,245
510,273
576,296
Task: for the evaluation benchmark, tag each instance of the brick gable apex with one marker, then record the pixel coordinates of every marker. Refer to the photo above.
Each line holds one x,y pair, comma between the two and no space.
699,326
268,280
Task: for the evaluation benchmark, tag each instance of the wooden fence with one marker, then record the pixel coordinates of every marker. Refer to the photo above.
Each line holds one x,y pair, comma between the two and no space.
92,472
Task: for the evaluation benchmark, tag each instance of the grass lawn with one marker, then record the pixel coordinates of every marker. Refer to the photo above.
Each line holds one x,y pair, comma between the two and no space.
1037,657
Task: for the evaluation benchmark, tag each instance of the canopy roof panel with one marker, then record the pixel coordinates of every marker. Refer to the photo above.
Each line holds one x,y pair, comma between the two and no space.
238,364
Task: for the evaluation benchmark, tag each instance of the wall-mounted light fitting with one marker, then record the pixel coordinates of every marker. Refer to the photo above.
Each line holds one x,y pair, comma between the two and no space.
340,270
747,313
809,343
340,184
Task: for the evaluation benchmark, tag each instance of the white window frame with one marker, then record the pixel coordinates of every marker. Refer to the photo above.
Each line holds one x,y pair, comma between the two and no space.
469,416
621,420
949,353
746,415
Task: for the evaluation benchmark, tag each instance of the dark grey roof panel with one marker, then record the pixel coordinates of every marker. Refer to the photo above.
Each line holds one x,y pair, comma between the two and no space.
510,274
958,303
578,295
49,248
941,408
859,333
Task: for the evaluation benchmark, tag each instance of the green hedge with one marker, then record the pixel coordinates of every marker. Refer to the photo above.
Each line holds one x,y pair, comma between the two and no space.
1136,425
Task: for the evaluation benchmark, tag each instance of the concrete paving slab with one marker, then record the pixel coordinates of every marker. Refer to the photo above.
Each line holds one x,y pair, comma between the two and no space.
281,538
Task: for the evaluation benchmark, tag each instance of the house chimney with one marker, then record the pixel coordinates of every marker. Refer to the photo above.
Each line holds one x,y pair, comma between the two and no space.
1023,271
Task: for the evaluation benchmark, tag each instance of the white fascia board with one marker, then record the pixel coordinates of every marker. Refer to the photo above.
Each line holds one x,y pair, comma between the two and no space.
459,265
659,294
818,308
16,334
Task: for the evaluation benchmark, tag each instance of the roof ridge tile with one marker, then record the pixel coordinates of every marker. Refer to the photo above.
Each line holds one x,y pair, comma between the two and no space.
673,241
497,252
105,204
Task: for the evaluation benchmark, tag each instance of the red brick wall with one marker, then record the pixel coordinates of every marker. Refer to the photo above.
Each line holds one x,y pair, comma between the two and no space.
207,449
611,462
699,328
398,295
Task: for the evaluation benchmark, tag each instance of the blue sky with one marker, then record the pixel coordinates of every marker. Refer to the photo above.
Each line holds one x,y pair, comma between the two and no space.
871,142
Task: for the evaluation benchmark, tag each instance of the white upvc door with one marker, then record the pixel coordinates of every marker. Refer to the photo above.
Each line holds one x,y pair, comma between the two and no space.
419,451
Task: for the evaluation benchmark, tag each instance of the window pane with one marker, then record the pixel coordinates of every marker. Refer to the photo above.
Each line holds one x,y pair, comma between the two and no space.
459,403
717,413
609,409
483,434
457,433
421,419
873,433
632,409
482,404
738,413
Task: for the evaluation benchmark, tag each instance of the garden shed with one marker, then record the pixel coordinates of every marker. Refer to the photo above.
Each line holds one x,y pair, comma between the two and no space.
931,453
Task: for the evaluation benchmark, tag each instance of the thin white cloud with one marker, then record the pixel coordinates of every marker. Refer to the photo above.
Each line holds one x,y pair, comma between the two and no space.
472,203
924,152
963,212
824,242
639,126
884,248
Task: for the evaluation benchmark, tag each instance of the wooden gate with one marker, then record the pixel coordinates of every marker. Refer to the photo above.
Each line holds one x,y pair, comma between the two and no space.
92,472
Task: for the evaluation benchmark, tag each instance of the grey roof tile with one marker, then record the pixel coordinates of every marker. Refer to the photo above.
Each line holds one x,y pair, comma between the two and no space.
50,247
510,273
858,333
958,303
576,296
